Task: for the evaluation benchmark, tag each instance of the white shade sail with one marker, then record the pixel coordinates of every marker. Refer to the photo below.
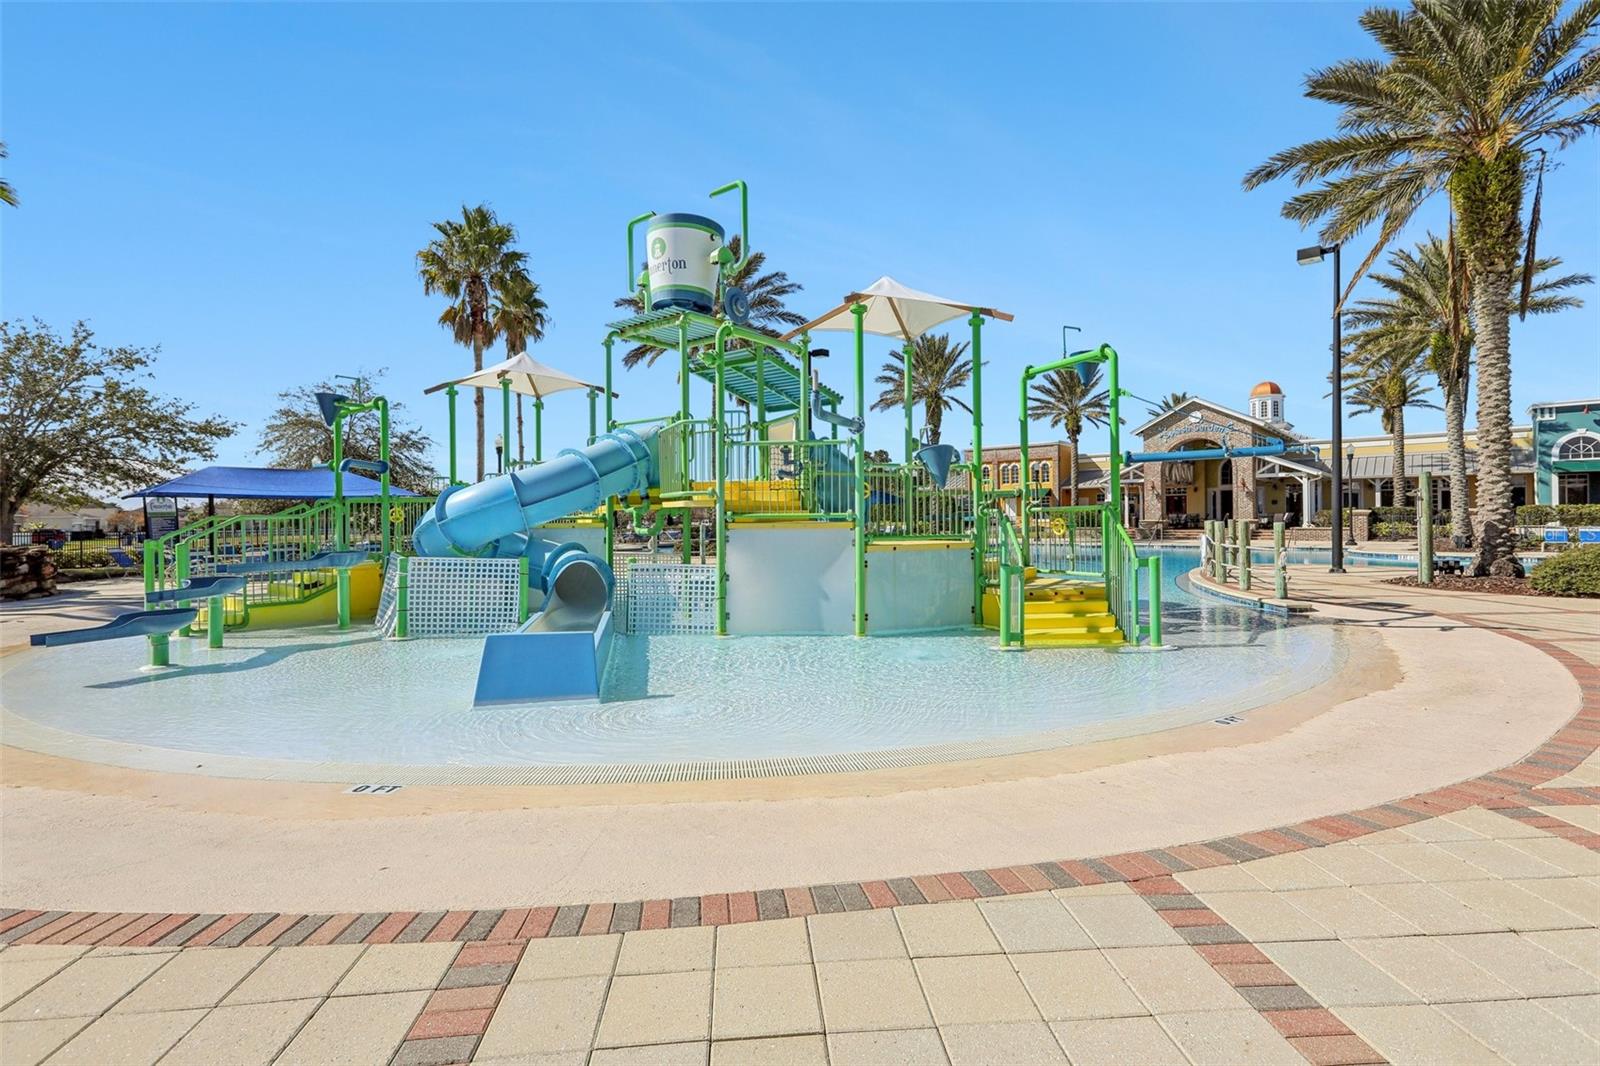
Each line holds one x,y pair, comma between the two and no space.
526,375
894,310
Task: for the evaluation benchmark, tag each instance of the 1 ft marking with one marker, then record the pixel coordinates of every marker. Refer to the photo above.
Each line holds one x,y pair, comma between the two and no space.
1231,719
372,790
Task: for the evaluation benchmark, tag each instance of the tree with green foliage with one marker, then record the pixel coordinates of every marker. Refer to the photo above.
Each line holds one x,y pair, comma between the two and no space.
767,290
1388,378
1170,402
1426,307
939,372
8,195
78,422
1069,402
1467,98
519,315
470,262
296,436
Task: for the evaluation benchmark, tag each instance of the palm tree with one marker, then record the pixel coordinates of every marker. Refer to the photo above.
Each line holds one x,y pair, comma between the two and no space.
468,262
517,314
1170,402
1069,402
1387,378
767,311
8,195
938,370
1427,308
1464,99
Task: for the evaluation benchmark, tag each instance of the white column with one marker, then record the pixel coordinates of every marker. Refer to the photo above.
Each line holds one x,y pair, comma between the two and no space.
1308,500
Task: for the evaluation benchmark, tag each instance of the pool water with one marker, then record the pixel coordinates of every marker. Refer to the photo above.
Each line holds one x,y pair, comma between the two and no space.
319,695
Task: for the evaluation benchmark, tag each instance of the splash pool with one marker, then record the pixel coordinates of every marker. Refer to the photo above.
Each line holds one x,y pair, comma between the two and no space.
320,696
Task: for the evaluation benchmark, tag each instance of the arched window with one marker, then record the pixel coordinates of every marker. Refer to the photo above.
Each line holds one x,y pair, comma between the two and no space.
1225,473
1582,446
1010,473
1039,472
988,473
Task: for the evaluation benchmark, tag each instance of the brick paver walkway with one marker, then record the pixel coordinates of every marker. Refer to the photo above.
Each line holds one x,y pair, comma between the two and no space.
1457,926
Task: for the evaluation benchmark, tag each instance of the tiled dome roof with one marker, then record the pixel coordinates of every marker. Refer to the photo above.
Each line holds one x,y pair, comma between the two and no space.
1266,388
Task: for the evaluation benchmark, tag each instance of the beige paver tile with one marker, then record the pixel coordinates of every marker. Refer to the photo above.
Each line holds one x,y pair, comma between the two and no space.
1034,923
1122,922
856,935
1262,916
1347,912
539,1058
1013,1043
1580,895
1435,830
1069,985
692,1053
1492,825
1229,1036
559,1015
1105,888
776,943
1581,947
1563,854
945,929
1334,974
1523,964
1521,1031
1431,910
809,1050
1501,859
871,994
1220,879
1170,979
1428,862
397,968
21,952
1118,1042
1580,1012
752,1001
134,1039
21,975
1584,817
1416,1035
662,1008
85,988
1509,905
296,973
200,977
974,989
1294,870
902,1047
568,956
668,950
1356,865
1429,968
354,1029
30,1043
247,1034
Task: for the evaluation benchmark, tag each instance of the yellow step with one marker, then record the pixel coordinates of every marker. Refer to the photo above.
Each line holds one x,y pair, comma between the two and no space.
1107,639
1098,623
1045,607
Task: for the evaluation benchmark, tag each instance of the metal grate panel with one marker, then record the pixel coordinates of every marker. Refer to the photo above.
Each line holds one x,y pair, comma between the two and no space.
454,597
657,598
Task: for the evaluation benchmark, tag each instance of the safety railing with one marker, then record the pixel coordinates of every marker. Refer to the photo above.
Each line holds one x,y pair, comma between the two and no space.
766,478
1068,540
904,503
1009,574
1138,614
366,519
1225,556
688,457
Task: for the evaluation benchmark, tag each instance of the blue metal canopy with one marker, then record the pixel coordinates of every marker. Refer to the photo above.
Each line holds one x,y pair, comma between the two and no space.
265,483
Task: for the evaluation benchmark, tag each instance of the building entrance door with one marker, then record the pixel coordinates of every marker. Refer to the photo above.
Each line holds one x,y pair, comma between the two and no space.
1219,503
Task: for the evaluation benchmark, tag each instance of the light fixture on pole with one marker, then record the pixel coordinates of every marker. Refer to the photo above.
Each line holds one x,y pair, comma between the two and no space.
1306,257
1350,474
499,453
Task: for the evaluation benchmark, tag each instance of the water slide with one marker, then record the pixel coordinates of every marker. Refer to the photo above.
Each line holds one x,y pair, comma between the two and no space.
148,623
560,652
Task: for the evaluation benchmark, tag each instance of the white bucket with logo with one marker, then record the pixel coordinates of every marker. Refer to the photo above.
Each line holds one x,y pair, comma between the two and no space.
680,250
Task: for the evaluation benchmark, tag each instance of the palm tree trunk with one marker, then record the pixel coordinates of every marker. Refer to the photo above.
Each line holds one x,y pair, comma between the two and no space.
1455,415
1397,471
477,402
1497,547
934,417
1072,472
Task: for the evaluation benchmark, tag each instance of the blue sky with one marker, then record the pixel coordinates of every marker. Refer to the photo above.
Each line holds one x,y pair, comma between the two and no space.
247,185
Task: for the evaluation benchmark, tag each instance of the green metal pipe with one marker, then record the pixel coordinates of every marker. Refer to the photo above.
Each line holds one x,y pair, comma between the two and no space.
450,394
1154,566
214,622
591,417
402,598
538,428
976,483
804,423
722,486
1028,373
908,394
385,523
859,312
610,338
522,588
744,218
632,278
505,423
1114,388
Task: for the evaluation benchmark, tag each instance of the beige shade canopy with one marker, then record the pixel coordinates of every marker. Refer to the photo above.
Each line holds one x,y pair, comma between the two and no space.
893,310
527,376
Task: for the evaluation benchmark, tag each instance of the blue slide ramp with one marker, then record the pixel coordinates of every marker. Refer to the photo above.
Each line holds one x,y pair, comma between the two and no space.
560,652
132,624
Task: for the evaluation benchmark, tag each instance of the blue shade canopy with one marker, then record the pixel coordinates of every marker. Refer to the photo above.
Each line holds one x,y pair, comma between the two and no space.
265,483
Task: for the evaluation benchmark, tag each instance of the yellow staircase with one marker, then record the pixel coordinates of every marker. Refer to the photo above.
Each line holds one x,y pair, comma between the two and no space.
1058,613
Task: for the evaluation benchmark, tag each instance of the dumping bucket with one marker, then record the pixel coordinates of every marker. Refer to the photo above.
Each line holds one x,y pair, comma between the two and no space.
681,253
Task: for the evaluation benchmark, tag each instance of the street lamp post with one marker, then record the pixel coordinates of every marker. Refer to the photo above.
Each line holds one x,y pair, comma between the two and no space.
1305,257
499,453
1350,472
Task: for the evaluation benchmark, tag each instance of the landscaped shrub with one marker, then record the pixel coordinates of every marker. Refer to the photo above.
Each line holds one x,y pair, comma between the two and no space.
70,558
1393,530
1324,518
1575,572
1570,515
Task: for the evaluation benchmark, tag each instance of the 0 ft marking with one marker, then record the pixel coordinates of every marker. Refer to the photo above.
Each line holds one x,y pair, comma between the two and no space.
372,790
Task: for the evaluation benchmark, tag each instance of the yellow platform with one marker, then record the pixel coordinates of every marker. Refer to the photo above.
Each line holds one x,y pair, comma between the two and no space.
320,604
1059,613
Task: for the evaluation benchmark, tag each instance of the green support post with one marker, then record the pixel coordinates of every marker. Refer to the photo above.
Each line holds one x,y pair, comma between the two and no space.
341,528
402,598
1022,473
450,394
159,642
805,387
908,391
859,311
591,416
1243,535
214,622
721,415
538,428
1155,600
384,522
1280,574
979,540
505,423
1005,605
522,589
1114,461
1425,529
764,460
683,415
180,572
610,339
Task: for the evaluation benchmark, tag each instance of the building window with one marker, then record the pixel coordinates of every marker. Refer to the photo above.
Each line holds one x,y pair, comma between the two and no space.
1177,503
1573,488
1010,473
1277,409
1384,491
988,473
1039,473
1578,448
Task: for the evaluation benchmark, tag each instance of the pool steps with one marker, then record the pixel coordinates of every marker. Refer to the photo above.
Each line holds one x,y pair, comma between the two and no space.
1061,613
